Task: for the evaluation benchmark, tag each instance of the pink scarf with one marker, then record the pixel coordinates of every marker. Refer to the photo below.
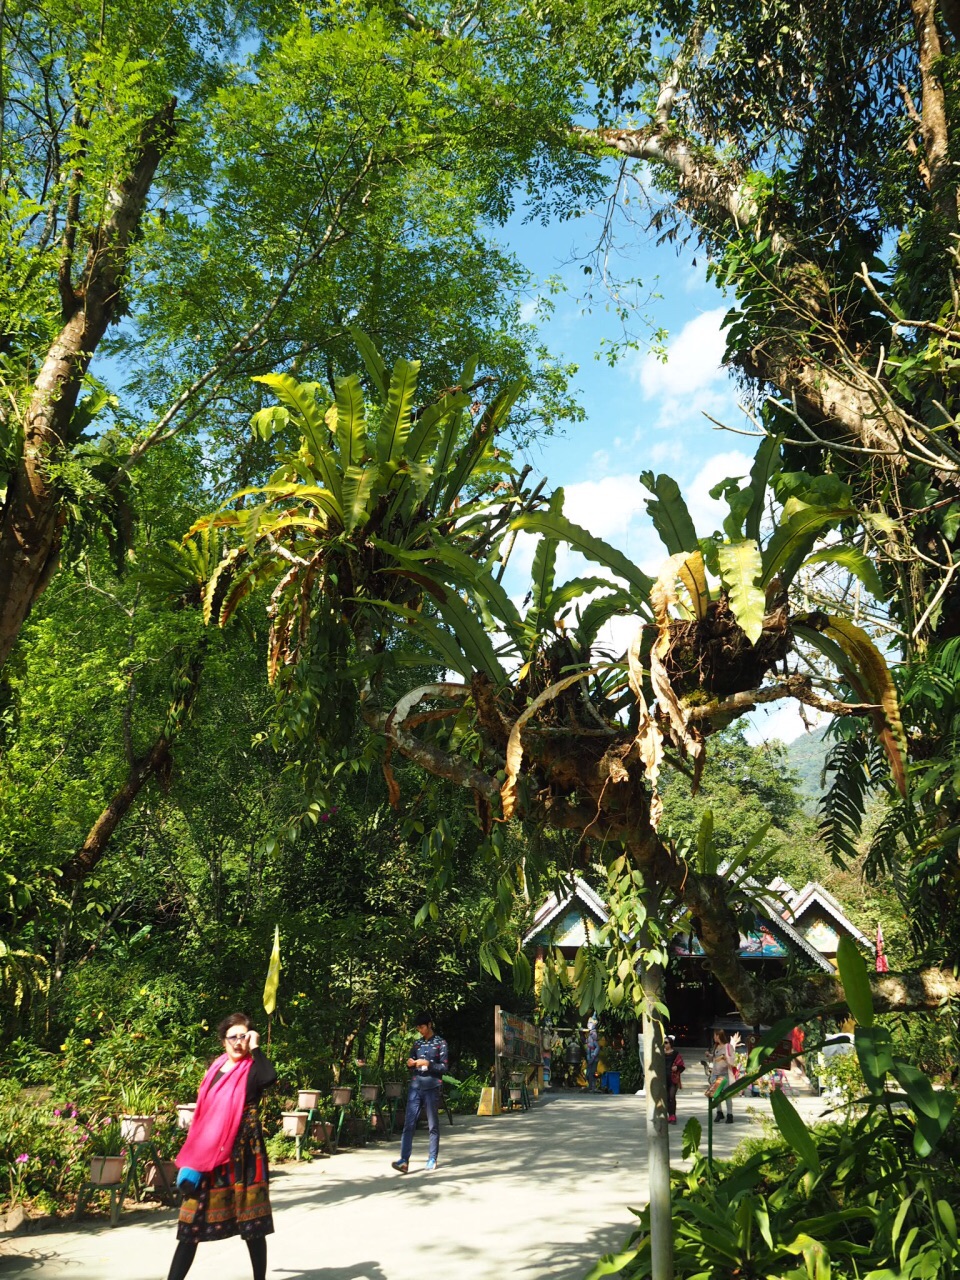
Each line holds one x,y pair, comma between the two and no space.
216,1120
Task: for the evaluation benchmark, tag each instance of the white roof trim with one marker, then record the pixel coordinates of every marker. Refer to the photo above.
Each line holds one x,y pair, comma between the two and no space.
554,906
813,892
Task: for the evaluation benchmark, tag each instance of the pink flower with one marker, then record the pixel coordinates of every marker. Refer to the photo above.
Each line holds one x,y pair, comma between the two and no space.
22,1159
56,1111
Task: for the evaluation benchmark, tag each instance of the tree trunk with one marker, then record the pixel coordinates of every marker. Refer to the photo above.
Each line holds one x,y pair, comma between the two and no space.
99,835
32,519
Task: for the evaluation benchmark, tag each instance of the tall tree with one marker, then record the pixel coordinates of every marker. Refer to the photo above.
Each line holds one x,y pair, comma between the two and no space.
203,199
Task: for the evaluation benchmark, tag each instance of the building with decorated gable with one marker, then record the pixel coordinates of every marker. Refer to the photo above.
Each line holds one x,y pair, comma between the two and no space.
805,924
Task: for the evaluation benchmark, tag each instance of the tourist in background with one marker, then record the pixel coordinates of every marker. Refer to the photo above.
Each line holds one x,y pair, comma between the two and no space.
427,1062
723,1069
593,1055
675,1067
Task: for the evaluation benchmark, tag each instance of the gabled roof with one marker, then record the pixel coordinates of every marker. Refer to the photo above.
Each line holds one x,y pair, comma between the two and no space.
812,894
554,906
773,912
593,904
783,927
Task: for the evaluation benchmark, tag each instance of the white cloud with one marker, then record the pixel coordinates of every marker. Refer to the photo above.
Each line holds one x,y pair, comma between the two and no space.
693,360
781,721
665,452
606,507
530,310
707,513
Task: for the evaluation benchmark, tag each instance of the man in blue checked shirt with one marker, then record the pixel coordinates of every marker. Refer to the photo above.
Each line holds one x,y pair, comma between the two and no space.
427,1062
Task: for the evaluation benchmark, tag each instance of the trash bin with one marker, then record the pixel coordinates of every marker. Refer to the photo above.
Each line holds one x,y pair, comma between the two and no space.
613,1081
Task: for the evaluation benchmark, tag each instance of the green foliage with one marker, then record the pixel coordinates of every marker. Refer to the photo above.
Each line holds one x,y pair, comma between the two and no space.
864,1198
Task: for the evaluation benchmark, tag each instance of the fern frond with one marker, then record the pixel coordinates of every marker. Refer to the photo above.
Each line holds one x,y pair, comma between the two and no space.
842,806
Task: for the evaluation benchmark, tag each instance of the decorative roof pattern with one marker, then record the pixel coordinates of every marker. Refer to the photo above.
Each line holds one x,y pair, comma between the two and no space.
812,894
553,906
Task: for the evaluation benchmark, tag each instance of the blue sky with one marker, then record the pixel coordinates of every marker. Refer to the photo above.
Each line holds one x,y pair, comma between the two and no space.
643,414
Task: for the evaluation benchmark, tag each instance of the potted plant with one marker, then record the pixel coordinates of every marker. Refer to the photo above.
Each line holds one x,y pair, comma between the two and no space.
341,1094
139,1112
105,1147
322,1131
369,1092
308,1099
393,1088
185,1112
294,1123
161,1175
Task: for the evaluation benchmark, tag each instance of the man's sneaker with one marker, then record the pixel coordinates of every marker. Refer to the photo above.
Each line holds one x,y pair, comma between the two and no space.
399,1165
729,1119
428,1167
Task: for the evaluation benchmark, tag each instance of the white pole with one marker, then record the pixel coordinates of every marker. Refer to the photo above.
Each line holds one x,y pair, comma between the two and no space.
658,1133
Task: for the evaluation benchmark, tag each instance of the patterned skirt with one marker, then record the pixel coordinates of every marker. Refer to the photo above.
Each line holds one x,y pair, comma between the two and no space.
234,1198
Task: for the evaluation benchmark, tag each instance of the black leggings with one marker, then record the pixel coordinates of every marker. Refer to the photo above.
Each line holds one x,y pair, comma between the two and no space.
187,1251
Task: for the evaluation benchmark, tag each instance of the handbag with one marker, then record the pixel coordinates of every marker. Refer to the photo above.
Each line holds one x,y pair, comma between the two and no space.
715,1087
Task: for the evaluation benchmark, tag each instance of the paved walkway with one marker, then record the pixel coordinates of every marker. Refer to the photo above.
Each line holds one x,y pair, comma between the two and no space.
538,1195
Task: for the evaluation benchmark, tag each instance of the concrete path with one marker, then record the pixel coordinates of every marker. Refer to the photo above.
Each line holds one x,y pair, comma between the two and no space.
538,1195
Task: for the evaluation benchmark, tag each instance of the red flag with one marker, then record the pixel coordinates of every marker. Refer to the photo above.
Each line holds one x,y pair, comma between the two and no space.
882,966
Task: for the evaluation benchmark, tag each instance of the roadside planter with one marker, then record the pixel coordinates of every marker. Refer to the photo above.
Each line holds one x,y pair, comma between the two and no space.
294,1124
106,1171
136,1128
154,1174
185,1112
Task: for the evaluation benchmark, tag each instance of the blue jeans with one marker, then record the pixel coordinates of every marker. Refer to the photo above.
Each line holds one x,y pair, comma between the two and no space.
427,1097
592,1074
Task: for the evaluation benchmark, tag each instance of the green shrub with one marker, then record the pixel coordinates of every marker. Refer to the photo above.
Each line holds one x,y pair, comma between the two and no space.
841,1078
867,1198
281,1149
769,1217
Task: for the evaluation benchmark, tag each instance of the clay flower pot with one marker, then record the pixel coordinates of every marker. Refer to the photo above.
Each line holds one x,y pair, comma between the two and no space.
369,1092
106,1171
307,1099
152,1176
136,1128
185,1112
341,1095
294,1124
393,1089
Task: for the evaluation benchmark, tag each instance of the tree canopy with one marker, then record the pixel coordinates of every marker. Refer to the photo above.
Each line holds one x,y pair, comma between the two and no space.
259,200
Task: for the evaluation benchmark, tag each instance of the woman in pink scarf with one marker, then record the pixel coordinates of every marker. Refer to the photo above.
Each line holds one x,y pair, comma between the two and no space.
224,1154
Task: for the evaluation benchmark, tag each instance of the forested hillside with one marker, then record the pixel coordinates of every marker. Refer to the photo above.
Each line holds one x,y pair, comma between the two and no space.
807,755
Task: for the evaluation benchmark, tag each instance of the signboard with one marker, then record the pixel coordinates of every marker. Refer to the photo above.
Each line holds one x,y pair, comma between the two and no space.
520,1041
515,1041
